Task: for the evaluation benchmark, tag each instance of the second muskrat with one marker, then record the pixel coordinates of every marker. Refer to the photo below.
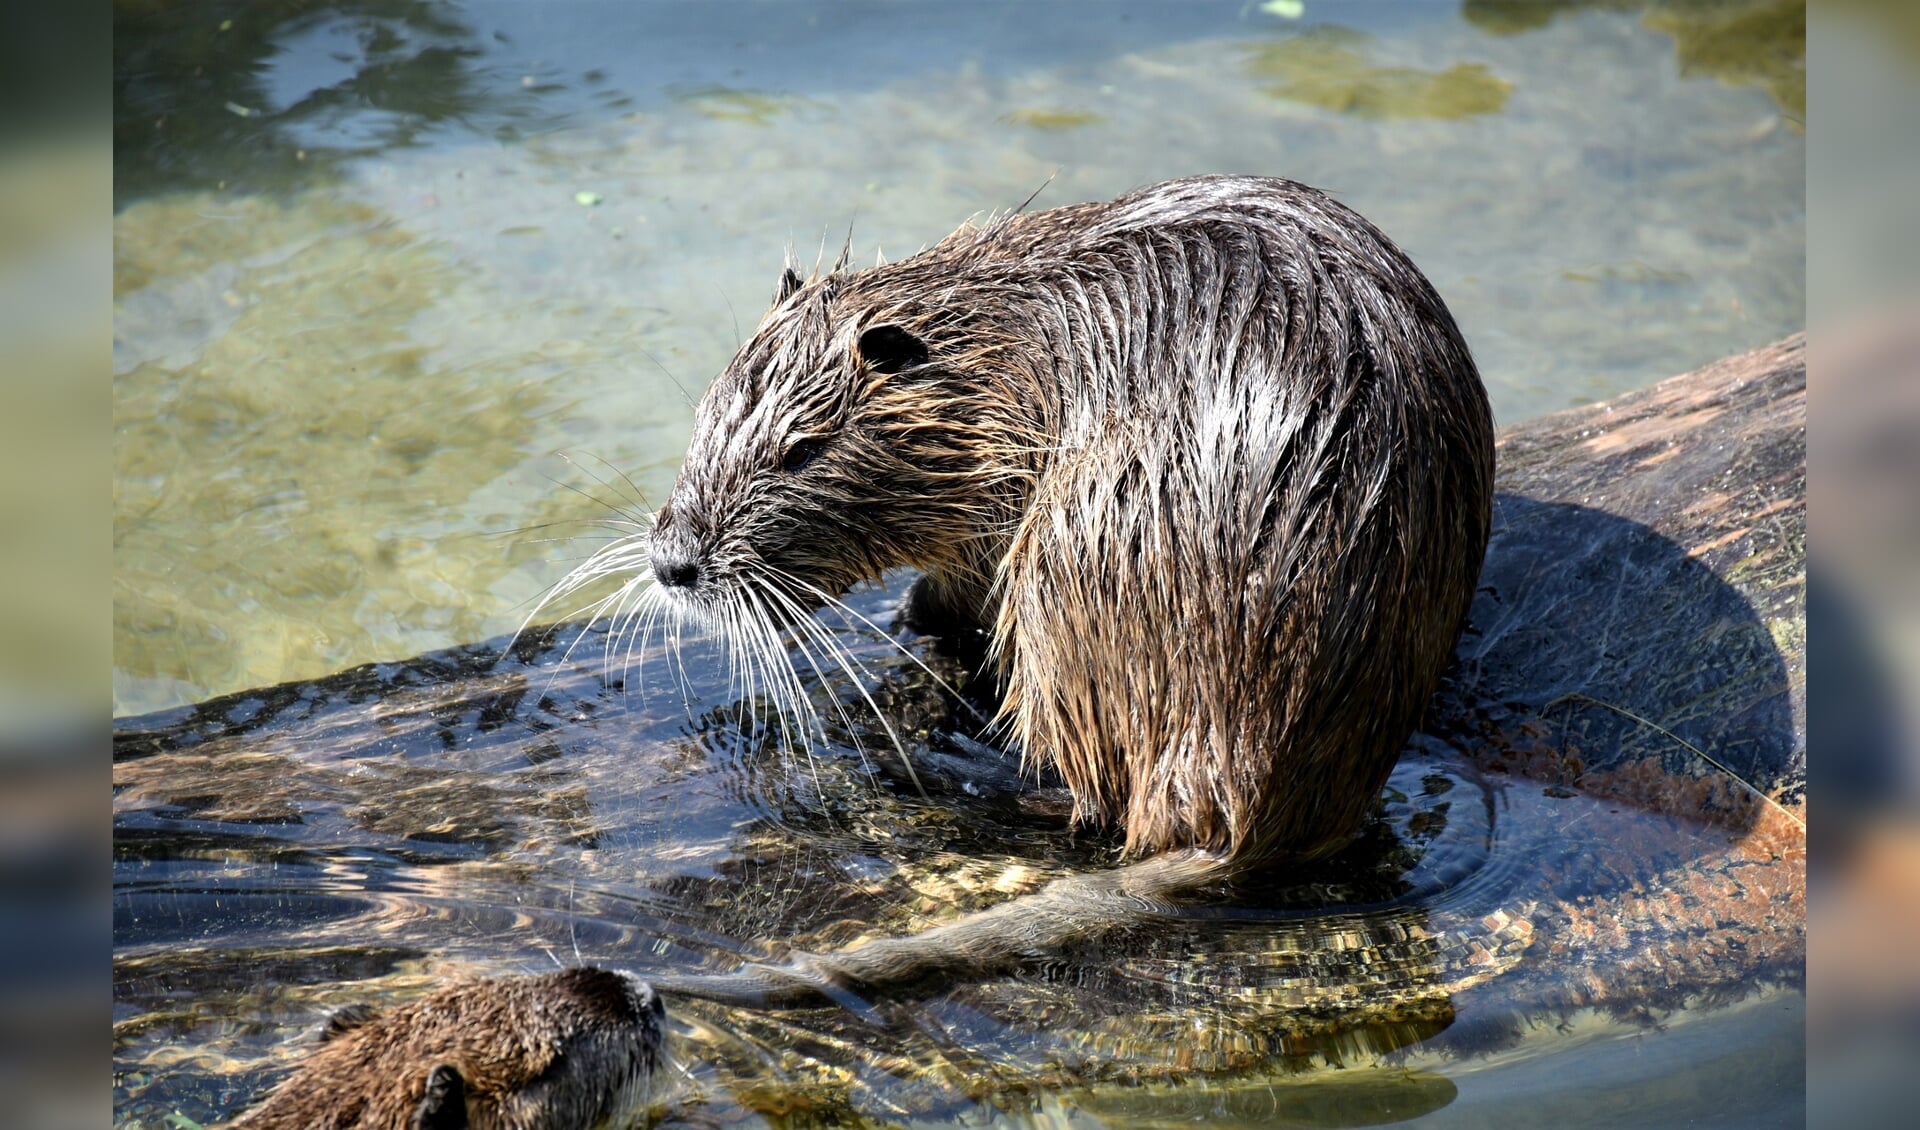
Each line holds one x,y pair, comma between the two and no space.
569,1050
1209,464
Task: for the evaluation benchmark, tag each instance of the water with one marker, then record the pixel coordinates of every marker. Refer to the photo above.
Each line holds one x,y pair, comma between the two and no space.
1490,946
356,385
406,294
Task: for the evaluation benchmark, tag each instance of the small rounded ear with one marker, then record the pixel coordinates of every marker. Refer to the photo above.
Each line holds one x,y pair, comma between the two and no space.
346,1020
890,349
444,1106
790,281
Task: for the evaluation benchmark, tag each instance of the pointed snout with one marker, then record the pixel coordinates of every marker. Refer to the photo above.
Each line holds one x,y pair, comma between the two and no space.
675,555
674,568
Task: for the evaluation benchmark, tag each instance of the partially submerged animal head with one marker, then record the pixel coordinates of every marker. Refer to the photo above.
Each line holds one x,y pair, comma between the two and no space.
559,1051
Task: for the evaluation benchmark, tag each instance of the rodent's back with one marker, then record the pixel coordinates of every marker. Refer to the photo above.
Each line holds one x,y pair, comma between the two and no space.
1241,569
1211,462
566,1050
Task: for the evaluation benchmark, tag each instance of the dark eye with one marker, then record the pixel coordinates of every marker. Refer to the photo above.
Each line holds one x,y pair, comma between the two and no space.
801,454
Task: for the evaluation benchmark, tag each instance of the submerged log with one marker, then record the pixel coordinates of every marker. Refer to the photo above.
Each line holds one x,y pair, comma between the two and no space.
1605,810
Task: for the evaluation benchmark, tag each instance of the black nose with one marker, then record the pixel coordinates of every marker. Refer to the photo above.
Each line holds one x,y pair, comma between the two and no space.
670,568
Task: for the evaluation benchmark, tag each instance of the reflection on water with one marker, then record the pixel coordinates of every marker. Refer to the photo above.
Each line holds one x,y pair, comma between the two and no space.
280,831
365,836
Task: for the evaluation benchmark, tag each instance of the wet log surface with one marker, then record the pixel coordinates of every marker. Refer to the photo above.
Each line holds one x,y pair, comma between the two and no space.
1604,811
1640,636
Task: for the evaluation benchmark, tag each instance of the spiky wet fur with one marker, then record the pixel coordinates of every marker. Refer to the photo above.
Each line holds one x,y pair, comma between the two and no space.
1210,462
567,1050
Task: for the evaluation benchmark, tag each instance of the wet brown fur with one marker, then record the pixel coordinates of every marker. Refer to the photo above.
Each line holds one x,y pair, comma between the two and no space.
571,1049
1211,462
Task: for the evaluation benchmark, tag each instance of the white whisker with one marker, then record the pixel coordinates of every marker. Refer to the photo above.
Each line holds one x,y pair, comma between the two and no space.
842,606
847,664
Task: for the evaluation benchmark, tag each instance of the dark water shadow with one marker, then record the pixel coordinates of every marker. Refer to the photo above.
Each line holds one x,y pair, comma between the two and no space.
258,97
266,96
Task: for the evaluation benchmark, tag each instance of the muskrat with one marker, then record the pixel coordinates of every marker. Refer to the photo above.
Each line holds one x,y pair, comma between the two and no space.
556,1051
1209,466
